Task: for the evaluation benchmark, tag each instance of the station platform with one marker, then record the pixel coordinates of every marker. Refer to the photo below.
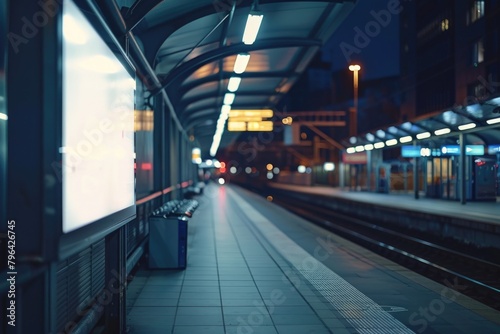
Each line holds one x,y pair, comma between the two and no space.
477,211
254,267
474,224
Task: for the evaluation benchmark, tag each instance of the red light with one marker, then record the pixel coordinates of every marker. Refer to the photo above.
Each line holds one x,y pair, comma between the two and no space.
222,165
146,166
480,162
223,169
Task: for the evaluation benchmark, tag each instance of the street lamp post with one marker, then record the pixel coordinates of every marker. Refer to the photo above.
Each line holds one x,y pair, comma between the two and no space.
353,119
353,114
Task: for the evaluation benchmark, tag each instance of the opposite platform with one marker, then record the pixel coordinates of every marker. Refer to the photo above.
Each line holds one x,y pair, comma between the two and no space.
256,268
487,212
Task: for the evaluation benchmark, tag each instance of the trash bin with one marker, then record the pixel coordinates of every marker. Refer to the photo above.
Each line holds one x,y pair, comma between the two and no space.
168,242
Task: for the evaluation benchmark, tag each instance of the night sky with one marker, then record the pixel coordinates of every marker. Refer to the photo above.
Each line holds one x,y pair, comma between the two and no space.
380,57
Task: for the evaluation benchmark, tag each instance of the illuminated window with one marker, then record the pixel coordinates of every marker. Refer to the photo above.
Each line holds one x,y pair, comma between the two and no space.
445,25
477,90
476,11
477,52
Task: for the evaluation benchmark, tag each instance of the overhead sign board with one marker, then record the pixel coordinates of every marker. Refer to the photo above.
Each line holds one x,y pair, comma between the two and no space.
469,150
410,151
474,150
262,113
250,120
493,149
354,158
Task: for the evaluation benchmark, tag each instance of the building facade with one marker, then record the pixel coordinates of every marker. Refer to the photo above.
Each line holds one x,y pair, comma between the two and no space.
449,54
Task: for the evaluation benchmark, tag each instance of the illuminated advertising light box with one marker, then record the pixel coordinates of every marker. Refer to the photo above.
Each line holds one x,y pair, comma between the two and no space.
98,180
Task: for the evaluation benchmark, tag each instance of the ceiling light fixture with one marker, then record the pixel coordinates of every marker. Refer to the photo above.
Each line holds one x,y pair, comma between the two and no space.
467,126
240,65
229,98
252,27
234,84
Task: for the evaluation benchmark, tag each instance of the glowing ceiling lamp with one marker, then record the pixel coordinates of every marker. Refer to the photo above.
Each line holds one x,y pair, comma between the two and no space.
423,135
252,27
467,126
229,98
442,131
405,139
234,84
391,142
240,65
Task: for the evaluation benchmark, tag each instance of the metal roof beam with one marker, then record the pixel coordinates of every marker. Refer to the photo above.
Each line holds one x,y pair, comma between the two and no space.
187,68
183,89
183,104
138,11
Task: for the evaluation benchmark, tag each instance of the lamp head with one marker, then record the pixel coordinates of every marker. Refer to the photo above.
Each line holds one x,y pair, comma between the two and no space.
354,68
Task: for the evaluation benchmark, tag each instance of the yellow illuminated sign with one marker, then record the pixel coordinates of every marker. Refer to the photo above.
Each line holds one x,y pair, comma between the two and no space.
236,126
260,126
250,120
262,113
196,155
245,119
250,126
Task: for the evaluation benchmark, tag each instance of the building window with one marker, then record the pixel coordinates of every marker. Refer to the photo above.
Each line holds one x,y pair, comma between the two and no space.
445,25
475,12
477,91
477,52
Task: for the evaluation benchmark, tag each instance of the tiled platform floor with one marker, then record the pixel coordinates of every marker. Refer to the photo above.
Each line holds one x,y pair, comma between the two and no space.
231,285
246,276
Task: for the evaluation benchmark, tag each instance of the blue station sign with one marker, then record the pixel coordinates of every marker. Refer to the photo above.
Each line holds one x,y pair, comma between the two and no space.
469,150
410,151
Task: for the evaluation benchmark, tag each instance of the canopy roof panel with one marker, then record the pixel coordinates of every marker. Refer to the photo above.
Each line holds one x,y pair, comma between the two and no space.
192,46
481,123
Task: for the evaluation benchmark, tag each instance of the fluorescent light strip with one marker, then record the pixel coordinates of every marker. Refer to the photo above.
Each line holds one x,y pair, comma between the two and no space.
369,147
467,126
379,145
240,65
351,150
359,148
252,27
423,135
233,84
229,98
490,121
405,139
225,110
391,142
442,131
4,116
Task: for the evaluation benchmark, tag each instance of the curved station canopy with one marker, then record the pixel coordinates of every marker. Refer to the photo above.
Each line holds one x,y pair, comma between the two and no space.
201,60
479,122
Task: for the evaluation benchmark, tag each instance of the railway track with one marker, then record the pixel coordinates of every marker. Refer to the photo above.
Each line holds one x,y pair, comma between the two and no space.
477,278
